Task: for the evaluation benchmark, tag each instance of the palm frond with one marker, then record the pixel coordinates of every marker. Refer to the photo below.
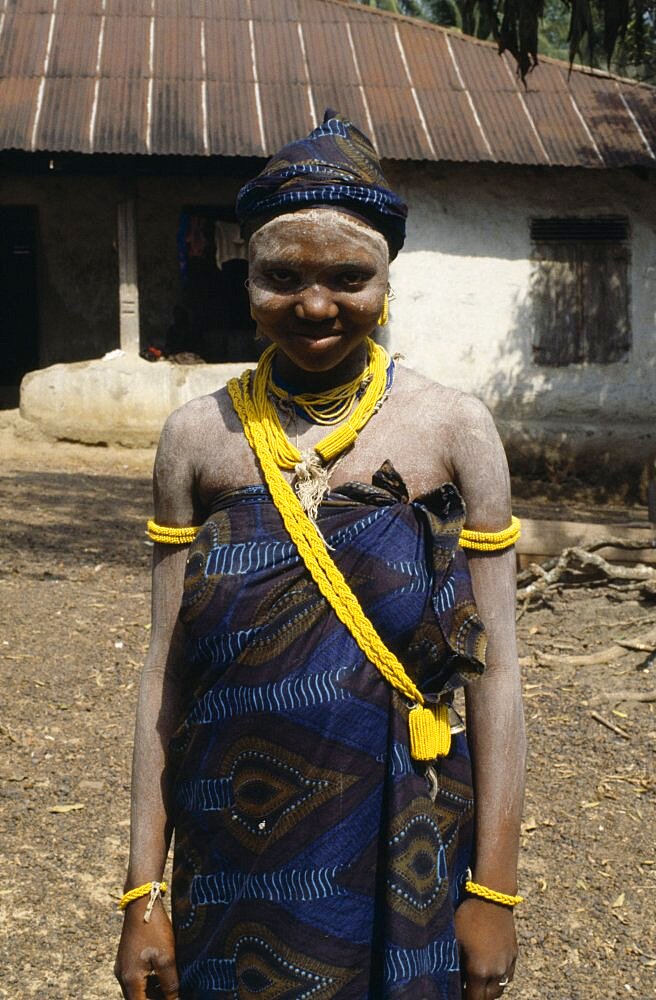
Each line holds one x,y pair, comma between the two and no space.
595,26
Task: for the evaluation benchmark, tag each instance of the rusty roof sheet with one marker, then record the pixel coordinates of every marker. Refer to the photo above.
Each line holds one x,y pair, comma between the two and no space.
242,77
112,132
564,133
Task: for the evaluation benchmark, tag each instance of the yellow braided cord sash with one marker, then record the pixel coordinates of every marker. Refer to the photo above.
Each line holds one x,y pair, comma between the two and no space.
474,889
428,732
171,536
142,890
491,541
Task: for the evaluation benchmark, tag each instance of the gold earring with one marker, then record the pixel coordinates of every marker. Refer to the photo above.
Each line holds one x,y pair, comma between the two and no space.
384,315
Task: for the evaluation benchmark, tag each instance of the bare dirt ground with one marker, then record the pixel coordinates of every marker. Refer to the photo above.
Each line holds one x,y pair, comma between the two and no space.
74,568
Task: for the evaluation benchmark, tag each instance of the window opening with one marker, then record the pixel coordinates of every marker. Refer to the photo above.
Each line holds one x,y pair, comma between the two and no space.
580,290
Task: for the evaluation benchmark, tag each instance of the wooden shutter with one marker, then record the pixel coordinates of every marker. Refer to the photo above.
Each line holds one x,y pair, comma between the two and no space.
555,296
604,276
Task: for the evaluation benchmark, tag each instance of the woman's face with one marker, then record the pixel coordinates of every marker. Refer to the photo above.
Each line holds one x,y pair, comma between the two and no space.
317,279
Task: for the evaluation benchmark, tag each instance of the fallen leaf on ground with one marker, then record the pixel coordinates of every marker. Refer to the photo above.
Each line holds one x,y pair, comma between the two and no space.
69,808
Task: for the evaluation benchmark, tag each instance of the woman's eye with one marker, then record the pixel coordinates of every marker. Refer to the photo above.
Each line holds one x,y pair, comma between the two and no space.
282,276
352,279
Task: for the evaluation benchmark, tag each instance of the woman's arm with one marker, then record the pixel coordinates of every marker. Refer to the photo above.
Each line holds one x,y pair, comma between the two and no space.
495,721
149,946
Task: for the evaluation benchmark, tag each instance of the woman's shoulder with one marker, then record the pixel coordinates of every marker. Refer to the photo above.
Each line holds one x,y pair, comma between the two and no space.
194,419
453,406
199,433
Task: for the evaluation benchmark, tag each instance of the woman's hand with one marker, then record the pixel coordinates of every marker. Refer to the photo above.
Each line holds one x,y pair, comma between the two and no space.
145,948
488,948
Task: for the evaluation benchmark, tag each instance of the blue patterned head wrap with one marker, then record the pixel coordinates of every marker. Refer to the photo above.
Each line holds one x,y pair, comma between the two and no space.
335,165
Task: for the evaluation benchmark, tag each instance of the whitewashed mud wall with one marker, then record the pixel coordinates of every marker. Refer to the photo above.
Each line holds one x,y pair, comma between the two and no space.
461,311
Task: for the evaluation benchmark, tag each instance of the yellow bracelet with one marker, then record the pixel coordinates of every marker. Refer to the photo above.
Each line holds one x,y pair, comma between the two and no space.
171,536
491,541
474,889
154,888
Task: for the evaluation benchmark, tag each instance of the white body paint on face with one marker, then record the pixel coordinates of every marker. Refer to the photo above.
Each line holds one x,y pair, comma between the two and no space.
317,280
278,233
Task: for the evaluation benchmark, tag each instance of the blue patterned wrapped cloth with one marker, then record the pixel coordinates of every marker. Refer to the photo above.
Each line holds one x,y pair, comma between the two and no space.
311,860
335,166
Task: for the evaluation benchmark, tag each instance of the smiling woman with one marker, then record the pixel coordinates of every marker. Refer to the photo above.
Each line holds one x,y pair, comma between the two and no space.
313,613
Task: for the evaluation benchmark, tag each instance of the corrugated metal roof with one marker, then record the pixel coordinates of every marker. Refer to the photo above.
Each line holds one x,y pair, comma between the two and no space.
566,138
242,77
114,132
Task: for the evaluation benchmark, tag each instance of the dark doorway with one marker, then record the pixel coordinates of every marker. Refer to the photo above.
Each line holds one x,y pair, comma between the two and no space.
213,315
19,308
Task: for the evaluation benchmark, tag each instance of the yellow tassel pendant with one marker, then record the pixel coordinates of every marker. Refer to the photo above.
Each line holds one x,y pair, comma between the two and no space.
430,732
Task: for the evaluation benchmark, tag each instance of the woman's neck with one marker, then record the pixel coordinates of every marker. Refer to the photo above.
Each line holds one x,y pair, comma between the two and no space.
297,380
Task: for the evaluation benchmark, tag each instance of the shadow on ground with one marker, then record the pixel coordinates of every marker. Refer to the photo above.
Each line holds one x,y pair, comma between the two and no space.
73,519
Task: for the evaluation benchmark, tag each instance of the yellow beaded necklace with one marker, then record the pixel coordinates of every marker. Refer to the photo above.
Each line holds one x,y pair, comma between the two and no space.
342,397
323,408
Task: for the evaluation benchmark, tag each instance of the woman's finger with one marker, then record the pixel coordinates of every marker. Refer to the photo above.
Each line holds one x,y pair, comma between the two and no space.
474,988
164,983
480,988
505,980
133,985
496,987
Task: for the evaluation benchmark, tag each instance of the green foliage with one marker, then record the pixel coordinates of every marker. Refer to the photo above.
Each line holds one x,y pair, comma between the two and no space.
412,8
636,55
554,30
619,34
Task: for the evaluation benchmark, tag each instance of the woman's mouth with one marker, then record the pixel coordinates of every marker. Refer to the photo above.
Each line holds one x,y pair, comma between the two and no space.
316,334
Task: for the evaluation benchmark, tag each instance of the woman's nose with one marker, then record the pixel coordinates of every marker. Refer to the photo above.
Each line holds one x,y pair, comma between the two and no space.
316,304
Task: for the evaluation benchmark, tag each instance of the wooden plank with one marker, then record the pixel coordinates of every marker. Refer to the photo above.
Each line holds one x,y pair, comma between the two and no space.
606,333
541,539
128,293
555,302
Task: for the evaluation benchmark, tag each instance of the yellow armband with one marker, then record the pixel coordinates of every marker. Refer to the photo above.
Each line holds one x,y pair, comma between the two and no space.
491,541
171,536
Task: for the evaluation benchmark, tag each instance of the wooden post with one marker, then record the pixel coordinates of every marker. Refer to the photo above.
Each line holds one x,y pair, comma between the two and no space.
128,293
